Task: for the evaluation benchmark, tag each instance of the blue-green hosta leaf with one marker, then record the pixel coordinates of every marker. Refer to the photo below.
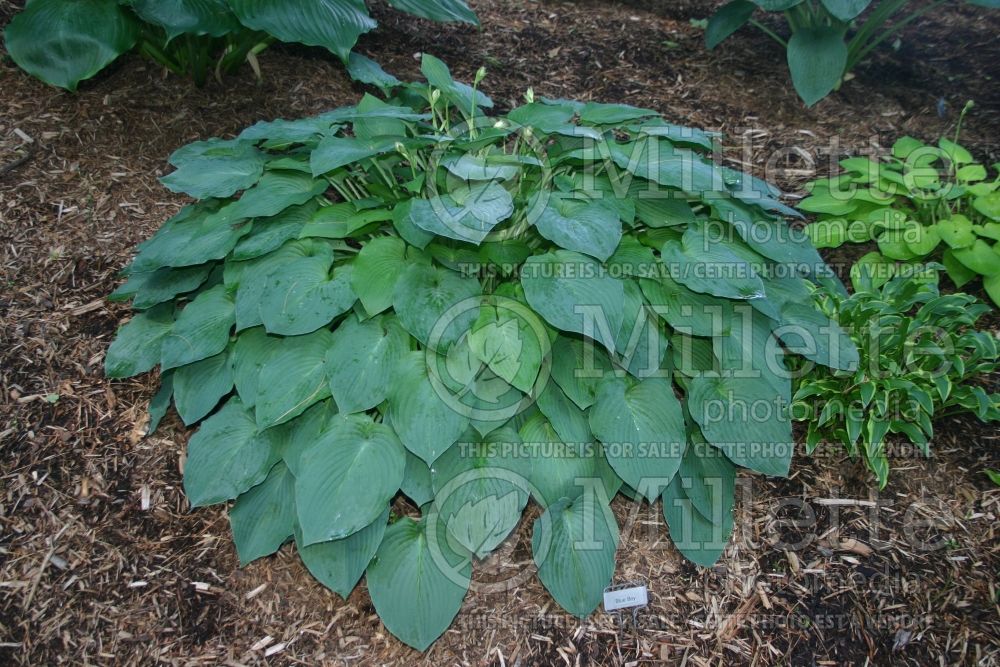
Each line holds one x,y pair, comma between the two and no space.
263,518
730,18
701,539
642,429
190,237
376,270
275,192
641,344
592,228
435,305
816,59
251,277
707,478
810,333
417,581
160,402
194,17
558,468
578,366
269,234
366,70
63,42
845,10
773,239
743,417
281,132
346,478
710,266
479,495
335,152
567,419
469,167
686,311
598,113
138,343
468,213
303,296
438,10
151,288
439,76
199,386
417,484
362,361
228,455
424,415
339,564
573,544
201,330
510,339
220,175
658,160
252,350
292,378
573,293
332,24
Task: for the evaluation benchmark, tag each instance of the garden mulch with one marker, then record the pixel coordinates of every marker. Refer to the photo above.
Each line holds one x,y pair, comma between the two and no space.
103,562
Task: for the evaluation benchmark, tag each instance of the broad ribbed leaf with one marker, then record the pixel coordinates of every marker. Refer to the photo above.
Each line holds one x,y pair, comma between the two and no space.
573,545
641,343
557,469
438,10
151,288
376,271
339,564
730,18
332,24
269,234
227,456
201,330
700,537
63,42
435,305
199,386
218,174
573,293
710,266
366,70
195,17
417,581
642,429
578,367
193,236
816,58
335,152
417,483
252,350
346,478
362,360
466,214
138,343
510,339
292,378
263,518
303,296
592,228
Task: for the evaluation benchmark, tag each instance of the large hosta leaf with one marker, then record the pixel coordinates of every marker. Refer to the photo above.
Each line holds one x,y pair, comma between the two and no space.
510,339
592,228
196,17
219,173
228,455
199,386
339,564
376,271
435,305
708,265
573,293
573,545
642,429
362,360
417,581
816,59
438,10
301,297
137,346
465,214
263,518
201,330
292,378
332,24
346,478
63,42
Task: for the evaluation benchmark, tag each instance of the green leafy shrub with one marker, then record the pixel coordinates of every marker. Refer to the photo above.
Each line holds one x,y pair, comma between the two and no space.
923,201
409,295
920,358
820,53
63,42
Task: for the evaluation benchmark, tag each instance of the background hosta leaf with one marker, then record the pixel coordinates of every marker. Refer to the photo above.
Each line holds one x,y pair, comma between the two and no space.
196,17
199,386
201,329
137,347
292,378
727,20
263,518
573,545
227,456
816,60
362,361
376,271
339,564
572,293
438,10
435,305
63,42
332,24
426,423
417,581
642,429
346,478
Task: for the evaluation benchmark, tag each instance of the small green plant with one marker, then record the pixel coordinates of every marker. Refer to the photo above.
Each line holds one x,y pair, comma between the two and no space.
921,358
923,201
820,53
63,42
411,297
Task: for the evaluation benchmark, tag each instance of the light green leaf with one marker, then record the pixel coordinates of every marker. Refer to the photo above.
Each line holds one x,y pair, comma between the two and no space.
346,478
362,360
263,518
956,231
339,564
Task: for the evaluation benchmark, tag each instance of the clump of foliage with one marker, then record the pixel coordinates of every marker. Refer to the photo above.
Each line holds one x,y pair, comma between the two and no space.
63,42
410,296
921,357
923,201
828,37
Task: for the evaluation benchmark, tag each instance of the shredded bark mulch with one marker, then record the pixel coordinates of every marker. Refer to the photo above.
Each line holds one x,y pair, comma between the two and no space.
103,562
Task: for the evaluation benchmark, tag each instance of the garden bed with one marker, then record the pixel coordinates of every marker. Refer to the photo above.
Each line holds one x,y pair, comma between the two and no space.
103,562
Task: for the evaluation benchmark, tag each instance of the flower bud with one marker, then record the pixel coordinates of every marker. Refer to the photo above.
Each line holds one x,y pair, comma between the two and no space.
529,96
435,96
480,74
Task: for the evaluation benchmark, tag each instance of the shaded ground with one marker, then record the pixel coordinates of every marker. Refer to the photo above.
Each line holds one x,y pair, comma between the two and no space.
103,563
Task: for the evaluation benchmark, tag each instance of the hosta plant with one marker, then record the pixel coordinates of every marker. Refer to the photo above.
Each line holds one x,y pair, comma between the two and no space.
921,201
410,299
828,39
63,42
921,358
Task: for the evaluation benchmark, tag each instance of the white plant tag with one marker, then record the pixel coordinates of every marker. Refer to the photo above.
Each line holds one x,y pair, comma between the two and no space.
625,598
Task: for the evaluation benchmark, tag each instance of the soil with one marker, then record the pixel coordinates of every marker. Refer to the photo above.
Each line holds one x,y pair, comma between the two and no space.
103,562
